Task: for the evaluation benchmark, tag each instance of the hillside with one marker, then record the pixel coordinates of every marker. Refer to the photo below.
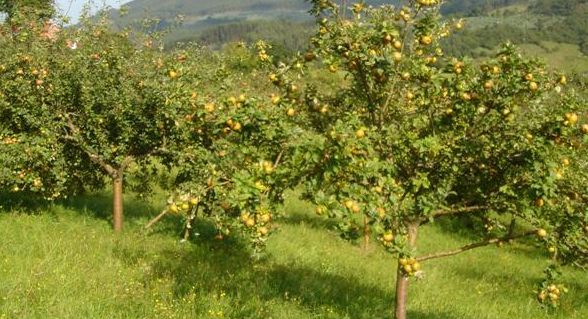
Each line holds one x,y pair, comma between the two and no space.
287,25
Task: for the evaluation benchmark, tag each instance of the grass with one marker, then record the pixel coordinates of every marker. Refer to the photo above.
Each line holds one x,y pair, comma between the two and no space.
560,56
66,263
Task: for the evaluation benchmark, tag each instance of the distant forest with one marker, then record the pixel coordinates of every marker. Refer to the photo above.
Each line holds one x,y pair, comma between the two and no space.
570,25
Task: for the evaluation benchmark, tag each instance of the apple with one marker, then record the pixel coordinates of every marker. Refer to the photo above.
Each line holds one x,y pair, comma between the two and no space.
360,133
397,56
541,233
291,112
209,107
263,230
572,118
265,218
407,268
489,85
381,212
319,210
349,204
388,237
426,40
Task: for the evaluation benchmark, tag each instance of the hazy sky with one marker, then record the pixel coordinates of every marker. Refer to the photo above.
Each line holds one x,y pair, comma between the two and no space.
73,8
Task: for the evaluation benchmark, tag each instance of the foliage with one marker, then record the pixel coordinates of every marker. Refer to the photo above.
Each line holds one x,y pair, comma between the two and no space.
36,8
83,105
413,136
230,159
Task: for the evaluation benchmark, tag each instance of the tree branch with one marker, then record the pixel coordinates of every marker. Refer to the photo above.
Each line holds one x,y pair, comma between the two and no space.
94,157
456,211
474,245
156,219
278,159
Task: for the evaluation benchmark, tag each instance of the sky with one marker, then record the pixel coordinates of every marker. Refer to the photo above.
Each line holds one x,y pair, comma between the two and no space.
73,8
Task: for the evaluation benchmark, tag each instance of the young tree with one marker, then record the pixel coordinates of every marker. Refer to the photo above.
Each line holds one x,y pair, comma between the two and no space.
232,158
413,136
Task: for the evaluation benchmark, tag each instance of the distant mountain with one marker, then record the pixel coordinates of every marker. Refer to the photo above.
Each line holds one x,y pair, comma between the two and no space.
287,24
219,21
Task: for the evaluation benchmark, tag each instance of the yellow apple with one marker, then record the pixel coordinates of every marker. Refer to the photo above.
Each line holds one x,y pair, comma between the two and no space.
541,232
360,133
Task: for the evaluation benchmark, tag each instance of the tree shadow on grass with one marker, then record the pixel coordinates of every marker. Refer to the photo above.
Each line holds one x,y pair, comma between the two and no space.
22,202
312,221
208,267
469,228
137,212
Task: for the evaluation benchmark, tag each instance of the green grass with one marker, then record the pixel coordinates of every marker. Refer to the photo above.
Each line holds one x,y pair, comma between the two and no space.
66,263
559,56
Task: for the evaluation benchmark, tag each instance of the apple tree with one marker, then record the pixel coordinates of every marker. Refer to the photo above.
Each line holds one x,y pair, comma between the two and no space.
232,157
90,102
412,136
38,9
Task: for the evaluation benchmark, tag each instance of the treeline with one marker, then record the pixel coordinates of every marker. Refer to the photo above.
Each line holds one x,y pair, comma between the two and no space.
288,37
558,7
476,7
285,36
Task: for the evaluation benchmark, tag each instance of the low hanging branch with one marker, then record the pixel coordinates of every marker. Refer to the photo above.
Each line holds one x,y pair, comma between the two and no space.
474,245
449,212
156,219
278,159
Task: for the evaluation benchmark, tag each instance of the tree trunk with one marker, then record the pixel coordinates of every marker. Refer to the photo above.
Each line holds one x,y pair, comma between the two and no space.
401,277
117,202
366,233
